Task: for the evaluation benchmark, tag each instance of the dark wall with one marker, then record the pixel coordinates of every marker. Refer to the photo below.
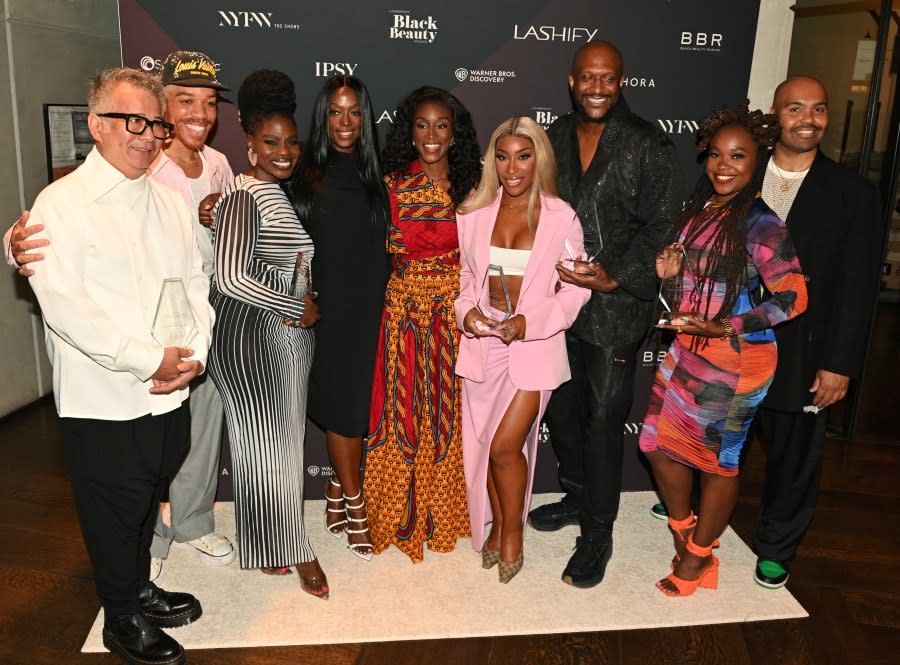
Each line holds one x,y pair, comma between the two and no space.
501,58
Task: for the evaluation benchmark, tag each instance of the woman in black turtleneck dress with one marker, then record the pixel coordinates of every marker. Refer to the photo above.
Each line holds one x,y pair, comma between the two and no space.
341,200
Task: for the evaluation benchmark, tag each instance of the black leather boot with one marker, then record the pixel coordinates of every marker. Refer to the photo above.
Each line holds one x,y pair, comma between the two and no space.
139,642
168,609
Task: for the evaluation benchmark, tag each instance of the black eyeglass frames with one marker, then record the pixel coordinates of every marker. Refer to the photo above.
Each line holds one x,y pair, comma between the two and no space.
137,124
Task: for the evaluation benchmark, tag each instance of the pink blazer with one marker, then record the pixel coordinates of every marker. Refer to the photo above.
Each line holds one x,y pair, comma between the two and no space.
539,362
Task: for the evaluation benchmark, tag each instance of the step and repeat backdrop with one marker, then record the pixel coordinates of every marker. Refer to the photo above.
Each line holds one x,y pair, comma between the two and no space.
501,58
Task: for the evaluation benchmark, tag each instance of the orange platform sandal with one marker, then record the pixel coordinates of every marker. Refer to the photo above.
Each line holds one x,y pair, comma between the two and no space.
708,578
682,529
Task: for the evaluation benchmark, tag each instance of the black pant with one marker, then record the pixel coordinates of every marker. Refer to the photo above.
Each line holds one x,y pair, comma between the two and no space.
586,417
793,470
119,470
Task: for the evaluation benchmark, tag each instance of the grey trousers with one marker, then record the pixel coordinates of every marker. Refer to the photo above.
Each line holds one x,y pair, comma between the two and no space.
193,489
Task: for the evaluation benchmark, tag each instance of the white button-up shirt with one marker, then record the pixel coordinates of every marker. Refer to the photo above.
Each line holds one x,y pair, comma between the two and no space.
113,241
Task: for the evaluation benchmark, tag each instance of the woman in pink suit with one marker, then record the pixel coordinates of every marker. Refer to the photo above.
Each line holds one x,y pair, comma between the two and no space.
512,353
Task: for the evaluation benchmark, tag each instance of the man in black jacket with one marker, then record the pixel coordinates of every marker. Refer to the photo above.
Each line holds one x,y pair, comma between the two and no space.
620,174
834,220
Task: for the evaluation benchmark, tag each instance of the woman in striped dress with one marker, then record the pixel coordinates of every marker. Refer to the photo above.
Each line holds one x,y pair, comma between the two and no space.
263,345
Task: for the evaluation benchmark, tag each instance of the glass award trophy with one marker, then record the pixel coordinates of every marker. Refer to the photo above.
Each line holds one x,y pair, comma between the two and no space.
581,265
301,282
670,293
496,327
174,323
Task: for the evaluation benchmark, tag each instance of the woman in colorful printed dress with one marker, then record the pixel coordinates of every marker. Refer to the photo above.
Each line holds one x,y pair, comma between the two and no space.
263,343
718,369
414,482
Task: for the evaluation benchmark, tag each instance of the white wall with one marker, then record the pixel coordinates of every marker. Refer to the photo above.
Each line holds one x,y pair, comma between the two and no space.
48,49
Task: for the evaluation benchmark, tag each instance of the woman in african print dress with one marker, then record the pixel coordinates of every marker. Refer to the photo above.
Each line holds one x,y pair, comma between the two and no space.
414,482
718,369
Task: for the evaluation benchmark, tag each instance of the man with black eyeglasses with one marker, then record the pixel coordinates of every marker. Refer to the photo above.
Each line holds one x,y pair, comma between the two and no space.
113,236
196,171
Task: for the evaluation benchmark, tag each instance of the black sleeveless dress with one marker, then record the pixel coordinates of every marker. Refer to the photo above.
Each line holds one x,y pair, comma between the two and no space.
350,273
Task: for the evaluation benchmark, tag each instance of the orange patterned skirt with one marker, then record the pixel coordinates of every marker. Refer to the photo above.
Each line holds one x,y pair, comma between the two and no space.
414,480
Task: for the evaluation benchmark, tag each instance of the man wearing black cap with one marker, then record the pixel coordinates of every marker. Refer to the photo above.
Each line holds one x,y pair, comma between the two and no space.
196,171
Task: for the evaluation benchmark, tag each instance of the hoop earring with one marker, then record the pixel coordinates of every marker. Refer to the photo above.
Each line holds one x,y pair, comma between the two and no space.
251,157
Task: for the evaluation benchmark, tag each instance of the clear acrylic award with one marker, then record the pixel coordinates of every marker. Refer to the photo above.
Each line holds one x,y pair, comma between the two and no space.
670,293
174,323
496,326
301,282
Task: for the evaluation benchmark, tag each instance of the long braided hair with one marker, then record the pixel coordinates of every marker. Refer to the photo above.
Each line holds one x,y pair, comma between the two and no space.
726,246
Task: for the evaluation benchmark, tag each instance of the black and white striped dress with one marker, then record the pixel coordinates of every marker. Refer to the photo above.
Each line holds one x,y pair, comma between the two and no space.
261,367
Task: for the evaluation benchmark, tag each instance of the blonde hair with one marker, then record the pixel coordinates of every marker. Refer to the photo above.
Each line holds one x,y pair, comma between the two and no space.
102,83
544,171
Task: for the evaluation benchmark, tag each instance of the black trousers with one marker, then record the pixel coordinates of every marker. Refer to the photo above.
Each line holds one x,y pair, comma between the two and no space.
119,469
586,417
793,470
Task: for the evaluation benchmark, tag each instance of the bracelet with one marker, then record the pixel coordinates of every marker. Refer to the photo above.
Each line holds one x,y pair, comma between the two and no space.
729,328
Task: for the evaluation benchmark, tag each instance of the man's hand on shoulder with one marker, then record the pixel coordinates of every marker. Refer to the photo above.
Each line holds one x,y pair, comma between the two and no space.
21,245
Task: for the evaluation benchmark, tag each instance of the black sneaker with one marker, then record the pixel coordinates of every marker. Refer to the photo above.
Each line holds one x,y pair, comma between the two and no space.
658,510
168,609
139,642
587,565
770,574
554,516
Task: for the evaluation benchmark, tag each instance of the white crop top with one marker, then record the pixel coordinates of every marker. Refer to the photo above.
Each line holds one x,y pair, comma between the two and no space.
513,261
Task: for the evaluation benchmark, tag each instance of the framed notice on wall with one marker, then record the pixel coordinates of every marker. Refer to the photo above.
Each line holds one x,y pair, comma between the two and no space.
67,136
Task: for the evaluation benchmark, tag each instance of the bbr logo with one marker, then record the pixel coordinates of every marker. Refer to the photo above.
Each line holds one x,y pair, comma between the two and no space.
701,39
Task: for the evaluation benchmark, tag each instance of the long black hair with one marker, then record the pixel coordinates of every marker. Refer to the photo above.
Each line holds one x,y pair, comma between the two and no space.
464,154
308,176
726,248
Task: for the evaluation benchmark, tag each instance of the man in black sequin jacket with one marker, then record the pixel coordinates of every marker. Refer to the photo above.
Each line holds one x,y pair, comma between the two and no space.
621,176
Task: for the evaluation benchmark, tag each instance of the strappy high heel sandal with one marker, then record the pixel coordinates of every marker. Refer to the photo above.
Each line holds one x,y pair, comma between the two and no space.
278,572
708,578
335,506
682,529
358,549
315,583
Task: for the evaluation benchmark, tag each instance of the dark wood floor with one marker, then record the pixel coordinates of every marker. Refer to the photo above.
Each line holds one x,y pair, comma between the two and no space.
847,574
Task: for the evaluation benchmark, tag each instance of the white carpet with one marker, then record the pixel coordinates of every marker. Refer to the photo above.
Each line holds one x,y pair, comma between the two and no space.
450,595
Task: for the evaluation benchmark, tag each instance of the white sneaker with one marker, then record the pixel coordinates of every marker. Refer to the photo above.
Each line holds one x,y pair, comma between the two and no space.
156,569
212,549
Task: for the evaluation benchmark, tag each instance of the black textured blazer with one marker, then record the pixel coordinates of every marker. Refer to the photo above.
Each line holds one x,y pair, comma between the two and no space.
629,197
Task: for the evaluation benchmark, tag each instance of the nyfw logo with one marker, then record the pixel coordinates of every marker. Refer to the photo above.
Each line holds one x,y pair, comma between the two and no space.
554,33
245,19
678,126
701,41
327,69
404,26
